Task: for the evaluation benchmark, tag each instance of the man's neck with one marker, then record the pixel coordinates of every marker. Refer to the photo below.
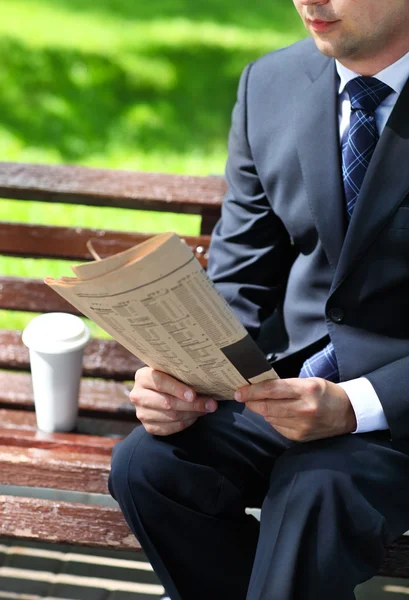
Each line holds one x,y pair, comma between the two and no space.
376,64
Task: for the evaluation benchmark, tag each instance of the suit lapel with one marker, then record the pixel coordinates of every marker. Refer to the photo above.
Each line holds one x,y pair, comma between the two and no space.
385,185
319,154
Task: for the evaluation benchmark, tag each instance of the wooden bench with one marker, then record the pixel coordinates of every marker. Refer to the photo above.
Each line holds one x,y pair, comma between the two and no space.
79,461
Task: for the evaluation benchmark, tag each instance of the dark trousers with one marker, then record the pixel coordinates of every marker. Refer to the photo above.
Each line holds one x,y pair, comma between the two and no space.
328,507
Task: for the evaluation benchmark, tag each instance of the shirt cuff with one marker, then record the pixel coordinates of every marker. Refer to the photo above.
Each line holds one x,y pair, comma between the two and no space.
366,404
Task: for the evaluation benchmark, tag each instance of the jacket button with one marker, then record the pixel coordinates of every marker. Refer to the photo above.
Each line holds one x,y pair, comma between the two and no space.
336,315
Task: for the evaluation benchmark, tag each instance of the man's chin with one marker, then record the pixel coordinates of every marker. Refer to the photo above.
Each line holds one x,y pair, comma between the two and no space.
325,47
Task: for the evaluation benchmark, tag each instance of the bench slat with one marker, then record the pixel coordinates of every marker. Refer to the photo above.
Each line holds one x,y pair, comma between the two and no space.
48,441
18,428
43,241
97,398
65,522
103,187
396,559
59,468
105,527
32,295
102,358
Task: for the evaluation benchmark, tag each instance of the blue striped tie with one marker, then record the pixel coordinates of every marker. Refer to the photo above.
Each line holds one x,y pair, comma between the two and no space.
366,94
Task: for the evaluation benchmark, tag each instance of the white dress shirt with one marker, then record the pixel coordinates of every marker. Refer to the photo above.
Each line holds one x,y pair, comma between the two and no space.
365,402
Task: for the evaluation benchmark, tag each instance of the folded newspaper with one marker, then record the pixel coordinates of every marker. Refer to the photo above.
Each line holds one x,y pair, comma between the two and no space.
157,301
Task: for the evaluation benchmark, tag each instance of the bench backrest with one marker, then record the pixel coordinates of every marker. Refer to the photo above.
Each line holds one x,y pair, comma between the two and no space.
106,363
74,462
97,187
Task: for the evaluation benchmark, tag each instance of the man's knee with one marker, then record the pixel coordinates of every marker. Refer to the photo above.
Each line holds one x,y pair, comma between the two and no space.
327,475
313,472
128,462
321,459
143,462
149,469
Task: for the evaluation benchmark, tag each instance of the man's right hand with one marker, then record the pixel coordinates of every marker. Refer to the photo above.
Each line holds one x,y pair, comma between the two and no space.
164,405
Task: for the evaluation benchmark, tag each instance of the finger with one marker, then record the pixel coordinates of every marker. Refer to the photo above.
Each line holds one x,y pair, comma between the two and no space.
274,389
283,410
164,429
157,401
290,428
152,399
157,416
200,404
151,379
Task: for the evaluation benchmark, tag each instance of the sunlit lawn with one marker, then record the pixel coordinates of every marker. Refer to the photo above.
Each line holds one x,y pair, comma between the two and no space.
124,84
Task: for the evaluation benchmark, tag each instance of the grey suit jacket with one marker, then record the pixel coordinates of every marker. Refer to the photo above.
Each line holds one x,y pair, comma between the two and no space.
283,246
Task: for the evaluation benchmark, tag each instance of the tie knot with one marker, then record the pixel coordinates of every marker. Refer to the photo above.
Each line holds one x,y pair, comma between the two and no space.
367,93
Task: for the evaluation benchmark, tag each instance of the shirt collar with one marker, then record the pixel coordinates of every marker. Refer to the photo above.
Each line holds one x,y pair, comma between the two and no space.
395,75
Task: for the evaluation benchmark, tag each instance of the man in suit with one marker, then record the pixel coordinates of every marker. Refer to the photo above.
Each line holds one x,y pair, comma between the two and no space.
312,252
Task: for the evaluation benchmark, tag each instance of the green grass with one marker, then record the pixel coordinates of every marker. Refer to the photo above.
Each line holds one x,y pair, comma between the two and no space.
124,84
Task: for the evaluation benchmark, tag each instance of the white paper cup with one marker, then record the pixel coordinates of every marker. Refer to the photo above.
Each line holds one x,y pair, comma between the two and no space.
56,342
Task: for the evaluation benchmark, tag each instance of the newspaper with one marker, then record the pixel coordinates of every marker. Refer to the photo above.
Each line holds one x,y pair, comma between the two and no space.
157,301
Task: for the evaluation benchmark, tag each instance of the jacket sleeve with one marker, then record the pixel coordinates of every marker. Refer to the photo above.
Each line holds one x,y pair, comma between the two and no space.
250,252
391,383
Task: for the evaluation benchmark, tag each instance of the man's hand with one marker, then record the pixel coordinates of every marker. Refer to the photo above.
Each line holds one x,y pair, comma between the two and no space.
301,409
164,405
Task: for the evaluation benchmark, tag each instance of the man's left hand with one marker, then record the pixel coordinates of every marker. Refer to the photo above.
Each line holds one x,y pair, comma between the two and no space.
301,409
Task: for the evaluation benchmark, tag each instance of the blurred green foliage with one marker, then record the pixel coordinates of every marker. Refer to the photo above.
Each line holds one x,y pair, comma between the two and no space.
143,85
120,83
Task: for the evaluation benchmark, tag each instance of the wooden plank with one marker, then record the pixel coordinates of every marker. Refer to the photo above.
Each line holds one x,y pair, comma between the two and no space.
65,522
104,527
69,442
97,398
396,559
60,467
19,428
40,241
31,295
101,187
102,358
33,438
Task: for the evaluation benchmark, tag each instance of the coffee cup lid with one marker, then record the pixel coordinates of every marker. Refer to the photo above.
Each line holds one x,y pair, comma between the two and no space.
56,333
